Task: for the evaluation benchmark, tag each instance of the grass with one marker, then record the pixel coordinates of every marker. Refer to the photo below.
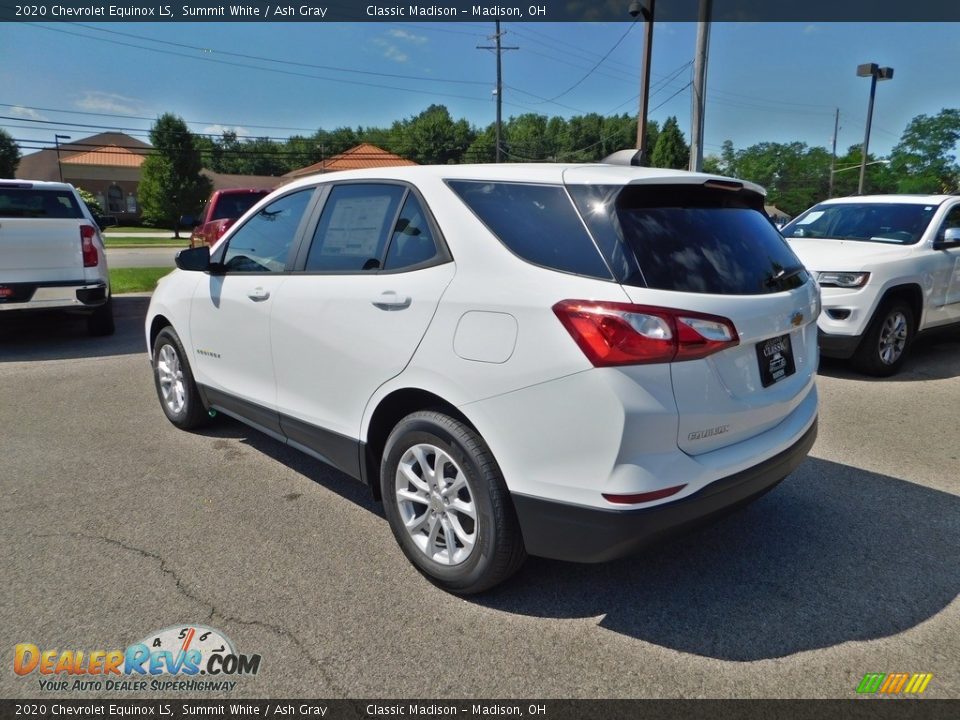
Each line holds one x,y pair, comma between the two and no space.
127,280
111,241
134,229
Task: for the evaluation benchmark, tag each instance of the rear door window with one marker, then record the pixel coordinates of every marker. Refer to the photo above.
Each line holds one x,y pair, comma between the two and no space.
36,203
357,222
536,222
689,239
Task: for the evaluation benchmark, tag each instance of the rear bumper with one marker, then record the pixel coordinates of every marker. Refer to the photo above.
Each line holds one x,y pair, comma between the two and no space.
582,534
841,347
73,295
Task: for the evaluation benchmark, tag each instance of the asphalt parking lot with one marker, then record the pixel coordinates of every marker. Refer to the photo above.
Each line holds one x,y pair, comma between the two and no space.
114,524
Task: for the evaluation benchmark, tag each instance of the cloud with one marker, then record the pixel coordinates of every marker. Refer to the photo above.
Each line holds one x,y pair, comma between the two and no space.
219,129
98,101
26,113
410,37
391,51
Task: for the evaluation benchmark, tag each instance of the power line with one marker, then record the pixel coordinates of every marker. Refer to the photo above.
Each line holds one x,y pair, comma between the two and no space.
598,64
257,67
247,56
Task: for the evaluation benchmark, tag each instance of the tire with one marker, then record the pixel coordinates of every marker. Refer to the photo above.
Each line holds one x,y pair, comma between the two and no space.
176,389
100,321
885,345
486,549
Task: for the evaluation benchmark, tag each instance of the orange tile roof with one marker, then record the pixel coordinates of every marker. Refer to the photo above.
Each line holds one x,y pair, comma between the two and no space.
364,155
108,155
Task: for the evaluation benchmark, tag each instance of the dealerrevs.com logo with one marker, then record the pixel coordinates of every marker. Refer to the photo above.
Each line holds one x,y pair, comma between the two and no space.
180,658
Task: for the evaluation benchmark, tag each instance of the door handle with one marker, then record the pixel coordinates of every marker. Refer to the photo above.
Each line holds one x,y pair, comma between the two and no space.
258,294
389,300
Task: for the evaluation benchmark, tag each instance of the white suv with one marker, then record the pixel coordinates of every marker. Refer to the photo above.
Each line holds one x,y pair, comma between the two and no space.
562,360
889,266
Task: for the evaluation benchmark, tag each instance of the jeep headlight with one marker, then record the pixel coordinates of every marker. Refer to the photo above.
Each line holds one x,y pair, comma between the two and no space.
843,279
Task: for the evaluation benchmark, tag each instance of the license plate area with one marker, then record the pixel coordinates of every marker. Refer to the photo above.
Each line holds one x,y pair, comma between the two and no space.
775,358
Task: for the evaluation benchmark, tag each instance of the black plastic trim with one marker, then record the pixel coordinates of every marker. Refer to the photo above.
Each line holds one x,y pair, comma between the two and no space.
584,534
336,449
841,347
243,409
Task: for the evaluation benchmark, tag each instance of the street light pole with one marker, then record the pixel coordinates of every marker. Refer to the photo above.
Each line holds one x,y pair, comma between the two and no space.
637,8
57,139
875,73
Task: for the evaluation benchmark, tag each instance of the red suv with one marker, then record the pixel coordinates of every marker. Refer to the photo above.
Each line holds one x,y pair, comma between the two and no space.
220,212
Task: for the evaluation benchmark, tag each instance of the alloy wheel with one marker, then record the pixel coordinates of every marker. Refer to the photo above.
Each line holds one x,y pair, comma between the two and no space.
436,504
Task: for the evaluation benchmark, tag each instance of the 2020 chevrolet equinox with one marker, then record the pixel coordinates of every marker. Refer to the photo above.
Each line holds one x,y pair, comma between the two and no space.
562,360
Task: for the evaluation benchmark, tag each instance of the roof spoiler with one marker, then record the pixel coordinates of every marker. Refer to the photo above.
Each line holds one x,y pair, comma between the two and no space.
629,156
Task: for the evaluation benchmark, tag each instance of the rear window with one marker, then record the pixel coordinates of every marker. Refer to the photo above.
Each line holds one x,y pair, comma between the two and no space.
536,222
36,203
230,207
689,239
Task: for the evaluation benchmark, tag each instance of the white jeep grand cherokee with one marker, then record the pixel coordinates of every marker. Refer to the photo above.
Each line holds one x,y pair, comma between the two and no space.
889,266
563,360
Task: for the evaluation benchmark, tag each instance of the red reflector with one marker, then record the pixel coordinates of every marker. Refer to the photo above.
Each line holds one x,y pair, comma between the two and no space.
90,256
644,497
612,333
6,291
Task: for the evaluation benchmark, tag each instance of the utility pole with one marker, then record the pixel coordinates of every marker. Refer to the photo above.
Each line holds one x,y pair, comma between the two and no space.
700,87
637,8
833,155
499,49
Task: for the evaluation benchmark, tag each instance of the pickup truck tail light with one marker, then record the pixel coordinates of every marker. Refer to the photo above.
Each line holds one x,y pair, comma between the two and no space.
624,334
91,258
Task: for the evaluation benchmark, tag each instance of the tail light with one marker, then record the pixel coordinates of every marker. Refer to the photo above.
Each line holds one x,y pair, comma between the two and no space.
624,334
90,256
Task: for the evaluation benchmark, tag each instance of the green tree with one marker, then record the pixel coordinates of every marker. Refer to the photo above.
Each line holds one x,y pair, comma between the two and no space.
9,155
96,209
433,137
171,184
924,159
879,178
483,149
671,150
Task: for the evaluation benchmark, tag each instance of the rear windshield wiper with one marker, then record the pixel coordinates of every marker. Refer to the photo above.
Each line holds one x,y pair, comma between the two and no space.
782,276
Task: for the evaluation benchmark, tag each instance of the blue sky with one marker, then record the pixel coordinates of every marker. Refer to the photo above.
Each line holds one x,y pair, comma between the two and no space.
766,82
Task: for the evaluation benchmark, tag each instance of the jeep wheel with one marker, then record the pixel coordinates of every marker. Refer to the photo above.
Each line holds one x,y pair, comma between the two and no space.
884,346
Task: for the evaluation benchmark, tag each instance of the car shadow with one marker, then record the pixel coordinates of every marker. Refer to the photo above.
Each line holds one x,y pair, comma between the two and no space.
934,355
329,477
834,554
58,336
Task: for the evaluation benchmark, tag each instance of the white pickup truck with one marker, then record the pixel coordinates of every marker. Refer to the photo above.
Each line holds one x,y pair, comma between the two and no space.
51,254
888,267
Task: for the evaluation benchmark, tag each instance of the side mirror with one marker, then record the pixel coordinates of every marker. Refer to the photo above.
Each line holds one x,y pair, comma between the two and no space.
189,221
951,238
105,221
196,259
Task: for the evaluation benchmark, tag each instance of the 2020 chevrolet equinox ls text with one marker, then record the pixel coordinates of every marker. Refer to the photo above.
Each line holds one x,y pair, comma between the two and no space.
567,361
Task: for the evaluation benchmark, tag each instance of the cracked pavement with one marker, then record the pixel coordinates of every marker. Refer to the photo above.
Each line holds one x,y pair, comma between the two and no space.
114,524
